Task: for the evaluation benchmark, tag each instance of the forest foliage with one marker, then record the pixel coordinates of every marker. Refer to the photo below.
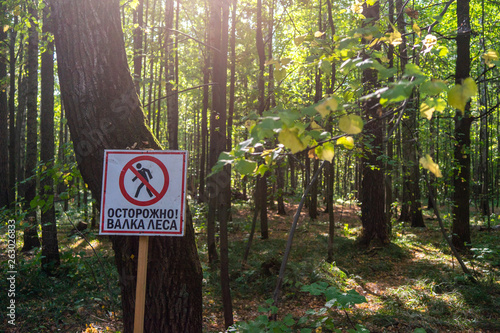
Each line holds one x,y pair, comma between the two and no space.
296,102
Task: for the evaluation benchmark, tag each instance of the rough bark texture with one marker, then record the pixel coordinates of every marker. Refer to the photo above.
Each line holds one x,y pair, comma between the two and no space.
30,233
50,247
220,182
373,216
461,177
103,112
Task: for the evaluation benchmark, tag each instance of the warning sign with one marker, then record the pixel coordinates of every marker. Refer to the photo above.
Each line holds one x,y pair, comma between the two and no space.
143,192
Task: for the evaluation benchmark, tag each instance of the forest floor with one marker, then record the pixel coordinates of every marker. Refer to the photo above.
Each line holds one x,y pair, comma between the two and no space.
412,284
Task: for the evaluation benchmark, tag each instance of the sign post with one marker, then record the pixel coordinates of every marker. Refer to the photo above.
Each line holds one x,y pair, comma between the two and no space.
143,194
140,289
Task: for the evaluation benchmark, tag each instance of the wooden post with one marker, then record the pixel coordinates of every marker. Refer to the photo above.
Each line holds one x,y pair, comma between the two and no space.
140,291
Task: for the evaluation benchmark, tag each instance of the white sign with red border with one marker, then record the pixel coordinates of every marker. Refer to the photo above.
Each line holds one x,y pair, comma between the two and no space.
143,192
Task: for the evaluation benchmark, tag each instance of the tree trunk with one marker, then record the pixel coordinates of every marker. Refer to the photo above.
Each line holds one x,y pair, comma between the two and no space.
411,208
261,181
172,80
50,246
20,135
232,79
461,171
280,180
204,129
373,217
138,51
12,114
220,182
30,233
4,130
104,112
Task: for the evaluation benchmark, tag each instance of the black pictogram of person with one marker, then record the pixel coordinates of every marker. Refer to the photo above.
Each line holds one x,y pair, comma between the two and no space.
146,174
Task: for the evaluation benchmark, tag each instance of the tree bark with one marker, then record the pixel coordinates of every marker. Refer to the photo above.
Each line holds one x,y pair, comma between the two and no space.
138,51
220,182
461,172
50,246
104,112
373,217
30,233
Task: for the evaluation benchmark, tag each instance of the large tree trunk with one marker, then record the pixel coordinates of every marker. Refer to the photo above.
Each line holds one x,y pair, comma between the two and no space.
104,112
372,187
50,246
461,171
30,233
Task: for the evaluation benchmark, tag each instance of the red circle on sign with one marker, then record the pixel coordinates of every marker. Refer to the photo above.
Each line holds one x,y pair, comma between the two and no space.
159,195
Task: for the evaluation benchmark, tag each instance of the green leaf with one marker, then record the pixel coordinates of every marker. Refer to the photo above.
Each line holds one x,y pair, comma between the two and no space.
288,320
413,70
329,105
325,152
459,95
346,141
351,124
426,110
489,57
428,107
290,138
272,62
429,164
299,40
416,29
326,66
318,34
245,167
280,74
469,87
263,168
432,87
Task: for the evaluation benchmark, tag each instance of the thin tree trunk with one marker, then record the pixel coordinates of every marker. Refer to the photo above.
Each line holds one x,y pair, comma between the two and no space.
171,85
232,80
261,181
30,233
50,245
221,199
204,130
138,41
12,114
4,129
411,208
461,171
